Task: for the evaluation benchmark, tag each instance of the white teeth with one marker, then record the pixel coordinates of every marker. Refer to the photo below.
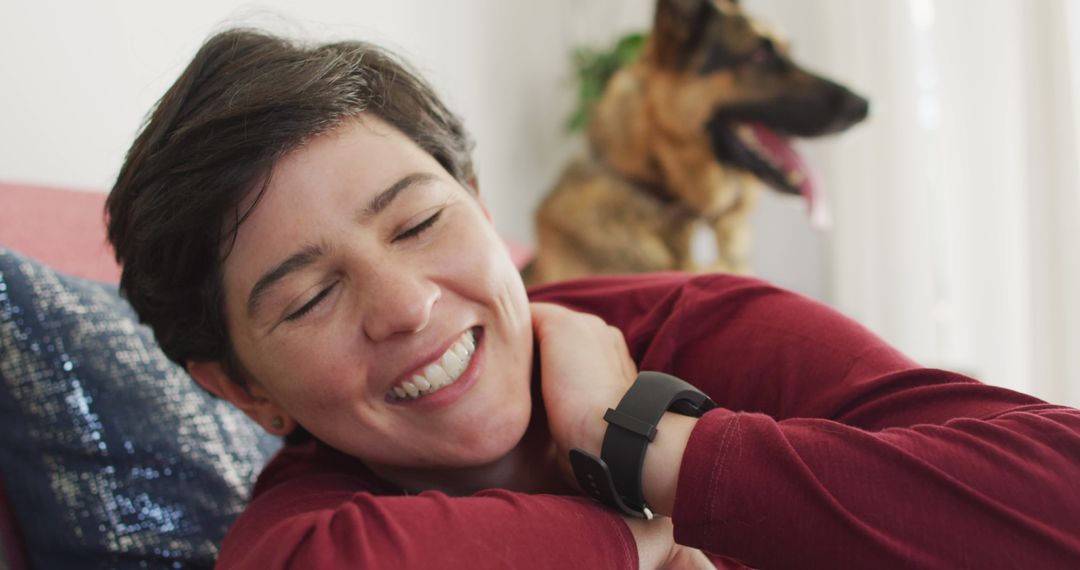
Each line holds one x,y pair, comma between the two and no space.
421,383
436,375
747,135
439,374
451,363
750,139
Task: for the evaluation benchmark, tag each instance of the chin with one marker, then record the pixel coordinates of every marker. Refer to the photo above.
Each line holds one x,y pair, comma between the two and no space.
498,433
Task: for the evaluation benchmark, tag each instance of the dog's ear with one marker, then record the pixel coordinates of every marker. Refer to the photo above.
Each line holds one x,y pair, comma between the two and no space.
678,28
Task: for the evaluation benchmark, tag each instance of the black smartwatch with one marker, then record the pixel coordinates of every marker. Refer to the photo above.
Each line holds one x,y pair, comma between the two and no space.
614,478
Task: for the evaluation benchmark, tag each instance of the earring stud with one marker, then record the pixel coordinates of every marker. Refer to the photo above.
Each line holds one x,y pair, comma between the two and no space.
277,422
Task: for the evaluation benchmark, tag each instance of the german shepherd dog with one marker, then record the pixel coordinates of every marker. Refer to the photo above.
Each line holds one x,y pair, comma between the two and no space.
679,141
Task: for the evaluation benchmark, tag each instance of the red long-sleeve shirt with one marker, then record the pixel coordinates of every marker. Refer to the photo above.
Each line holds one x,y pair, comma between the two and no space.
829,449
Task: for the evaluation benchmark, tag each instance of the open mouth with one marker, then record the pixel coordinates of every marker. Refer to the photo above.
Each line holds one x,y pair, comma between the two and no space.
770,157
439,374
765,154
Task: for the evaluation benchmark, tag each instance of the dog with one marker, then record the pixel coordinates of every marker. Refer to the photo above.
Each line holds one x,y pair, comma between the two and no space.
681,140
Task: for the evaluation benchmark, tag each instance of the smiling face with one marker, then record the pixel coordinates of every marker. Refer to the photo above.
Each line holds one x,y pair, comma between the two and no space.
366,272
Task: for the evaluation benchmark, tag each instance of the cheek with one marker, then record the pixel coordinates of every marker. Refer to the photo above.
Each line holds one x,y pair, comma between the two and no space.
309,369
479,257
483,272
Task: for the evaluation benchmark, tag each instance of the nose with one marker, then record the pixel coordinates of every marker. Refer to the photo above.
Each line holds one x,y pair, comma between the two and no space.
842,109
398,304
853,107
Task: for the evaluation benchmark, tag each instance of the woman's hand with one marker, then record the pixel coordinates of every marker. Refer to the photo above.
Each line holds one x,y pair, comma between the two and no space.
585,368
658,550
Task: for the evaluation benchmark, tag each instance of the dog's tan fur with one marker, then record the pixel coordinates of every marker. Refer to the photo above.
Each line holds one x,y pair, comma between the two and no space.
649,178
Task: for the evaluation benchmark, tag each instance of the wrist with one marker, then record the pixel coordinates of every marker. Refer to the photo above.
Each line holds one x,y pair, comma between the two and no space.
593,428
617,476
663,459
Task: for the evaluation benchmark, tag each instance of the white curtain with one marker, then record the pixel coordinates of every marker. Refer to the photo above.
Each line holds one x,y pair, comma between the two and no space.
955,208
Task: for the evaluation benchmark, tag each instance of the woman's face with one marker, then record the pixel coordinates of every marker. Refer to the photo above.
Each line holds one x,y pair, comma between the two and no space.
366,273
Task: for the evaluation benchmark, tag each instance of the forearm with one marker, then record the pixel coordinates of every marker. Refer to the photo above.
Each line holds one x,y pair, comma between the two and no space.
969,492
332,526
993,488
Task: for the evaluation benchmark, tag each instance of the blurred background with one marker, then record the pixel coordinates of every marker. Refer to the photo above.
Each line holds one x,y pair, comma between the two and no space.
954,206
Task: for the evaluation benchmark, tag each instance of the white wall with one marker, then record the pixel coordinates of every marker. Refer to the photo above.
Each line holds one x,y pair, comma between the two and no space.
77,78
956,204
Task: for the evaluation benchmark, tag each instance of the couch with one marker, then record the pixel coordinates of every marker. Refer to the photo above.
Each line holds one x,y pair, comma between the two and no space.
110,457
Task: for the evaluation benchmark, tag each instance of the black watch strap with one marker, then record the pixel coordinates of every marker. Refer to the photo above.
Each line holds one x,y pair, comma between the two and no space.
614,478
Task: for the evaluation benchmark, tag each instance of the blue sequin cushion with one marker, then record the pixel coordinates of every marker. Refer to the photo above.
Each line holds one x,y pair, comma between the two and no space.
112,456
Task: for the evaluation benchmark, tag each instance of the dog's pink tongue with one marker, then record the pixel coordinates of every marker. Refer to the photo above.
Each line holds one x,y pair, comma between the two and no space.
785,156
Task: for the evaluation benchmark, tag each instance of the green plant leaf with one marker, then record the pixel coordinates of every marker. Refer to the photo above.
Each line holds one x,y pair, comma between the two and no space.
593,68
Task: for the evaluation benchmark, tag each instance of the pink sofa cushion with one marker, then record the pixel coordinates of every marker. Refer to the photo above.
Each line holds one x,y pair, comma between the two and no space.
64,229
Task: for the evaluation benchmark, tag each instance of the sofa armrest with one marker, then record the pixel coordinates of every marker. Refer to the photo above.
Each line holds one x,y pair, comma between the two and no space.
12,556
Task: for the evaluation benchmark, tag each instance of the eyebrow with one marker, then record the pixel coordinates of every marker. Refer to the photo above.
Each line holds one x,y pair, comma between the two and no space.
381,201
312,252
295,262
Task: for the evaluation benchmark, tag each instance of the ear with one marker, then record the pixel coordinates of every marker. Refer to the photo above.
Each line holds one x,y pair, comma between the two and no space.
677,29
251,398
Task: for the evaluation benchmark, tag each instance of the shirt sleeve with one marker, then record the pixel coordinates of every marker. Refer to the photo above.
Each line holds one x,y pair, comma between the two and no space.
320,521
996,491
832,449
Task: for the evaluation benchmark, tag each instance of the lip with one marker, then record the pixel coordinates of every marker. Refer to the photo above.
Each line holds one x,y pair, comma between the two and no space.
429,359
448,395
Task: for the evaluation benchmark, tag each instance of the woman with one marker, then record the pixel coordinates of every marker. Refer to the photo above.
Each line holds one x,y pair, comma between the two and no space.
301,228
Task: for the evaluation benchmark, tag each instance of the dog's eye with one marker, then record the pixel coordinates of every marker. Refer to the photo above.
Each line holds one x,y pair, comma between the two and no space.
765,52
768,57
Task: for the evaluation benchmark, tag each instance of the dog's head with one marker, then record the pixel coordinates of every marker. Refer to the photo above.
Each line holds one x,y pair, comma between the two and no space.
727,75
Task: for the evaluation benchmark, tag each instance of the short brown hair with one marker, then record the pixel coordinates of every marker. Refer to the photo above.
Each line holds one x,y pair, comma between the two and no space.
245,100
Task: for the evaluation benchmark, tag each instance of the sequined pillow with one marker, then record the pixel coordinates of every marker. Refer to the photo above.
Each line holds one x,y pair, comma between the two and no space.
112,456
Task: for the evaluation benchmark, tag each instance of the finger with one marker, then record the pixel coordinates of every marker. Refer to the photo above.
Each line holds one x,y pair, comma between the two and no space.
553,322
544,313
702,561
548,319
686,558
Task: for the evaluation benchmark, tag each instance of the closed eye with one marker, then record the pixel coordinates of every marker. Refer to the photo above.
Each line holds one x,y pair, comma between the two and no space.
419,228
310,304
407,234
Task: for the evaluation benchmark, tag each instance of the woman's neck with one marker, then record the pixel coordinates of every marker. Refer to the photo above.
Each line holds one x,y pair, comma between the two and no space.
531,466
